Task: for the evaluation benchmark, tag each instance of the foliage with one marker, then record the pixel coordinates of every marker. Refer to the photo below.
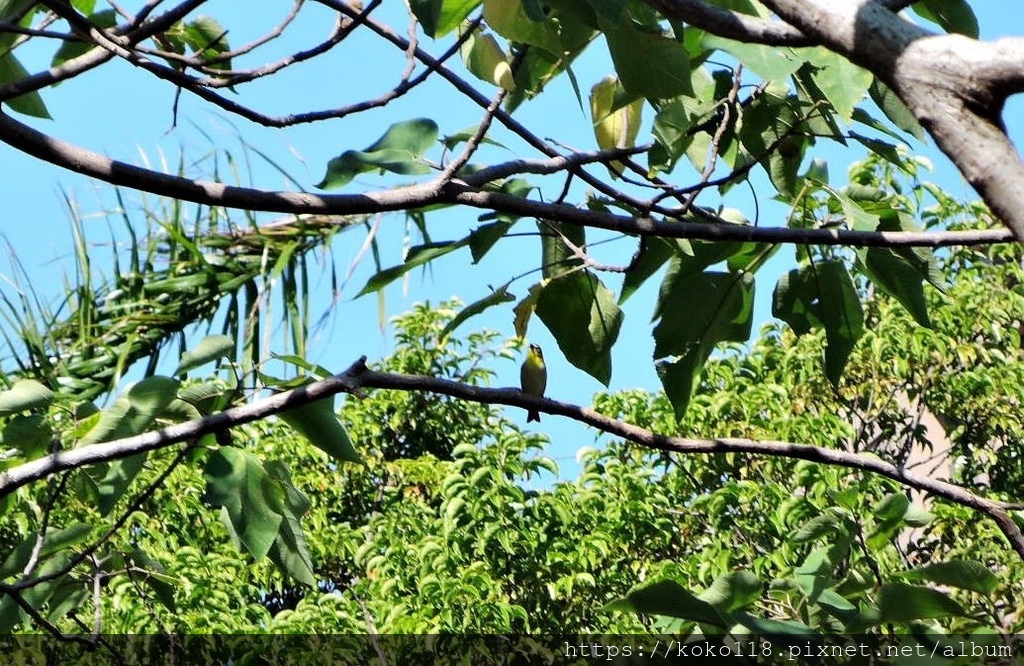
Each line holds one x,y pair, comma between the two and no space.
722,111
468,530
409,512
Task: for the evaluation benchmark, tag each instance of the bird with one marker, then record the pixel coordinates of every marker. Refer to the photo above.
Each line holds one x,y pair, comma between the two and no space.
533,377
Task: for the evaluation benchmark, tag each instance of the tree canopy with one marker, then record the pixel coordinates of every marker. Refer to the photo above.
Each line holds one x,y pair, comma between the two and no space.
833,474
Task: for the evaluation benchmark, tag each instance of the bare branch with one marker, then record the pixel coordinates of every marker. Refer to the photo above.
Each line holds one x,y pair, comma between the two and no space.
358,377
77,159
553,165
97,56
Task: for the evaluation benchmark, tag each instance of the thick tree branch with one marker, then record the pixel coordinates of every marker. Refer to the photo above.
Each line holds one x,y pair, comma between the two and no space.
946,81
358,377
730,24
1003,64
743,27
77,159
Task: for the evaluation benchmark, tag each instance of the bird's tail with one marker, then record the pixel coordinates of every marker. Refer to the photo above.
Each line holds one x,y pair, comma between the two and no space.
532,415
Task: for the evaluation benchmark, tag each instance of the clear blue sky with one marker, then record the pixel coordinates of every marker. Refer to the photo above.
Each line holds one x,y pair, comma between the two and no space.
125,113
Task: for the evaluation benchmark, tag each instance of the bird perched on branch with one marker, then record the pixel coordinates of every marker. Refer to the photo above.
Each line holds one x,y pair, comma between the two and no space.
533,377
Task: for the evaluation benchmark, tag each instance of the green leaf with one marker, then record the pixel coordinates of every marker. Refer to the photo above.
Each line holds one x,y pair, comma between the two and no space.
450,141
883,149
417,256
843,83
966,575
895,110
84,6
535,10
918,516
399,151
733,591
131,414
767,135
696,311
900,602
483,238
237,481
11,9
889,513
208,39
953,16
815,579
817,527
206,397
701,309
439,17
891,507
510,20
573,11
536,69
901,272
771,63
38,595
679,377
210,348
289,551
134,412
68,595
649,65
516,187
668,598
836,604
783,632
671,130
751,256
155,576
30,104
24,395
496,297
557,258
582,316
203,38
651,256
55,541
865,118
318,422
30,434
822,295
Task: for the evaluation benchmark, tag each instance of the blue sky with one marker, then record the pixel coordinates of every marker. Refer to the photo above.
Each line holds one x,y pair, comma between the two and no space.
123,112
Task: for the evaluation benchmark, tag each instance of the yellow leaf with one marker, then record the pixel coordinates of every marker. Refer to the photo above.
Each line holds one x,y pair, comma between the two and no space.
486,60
614,127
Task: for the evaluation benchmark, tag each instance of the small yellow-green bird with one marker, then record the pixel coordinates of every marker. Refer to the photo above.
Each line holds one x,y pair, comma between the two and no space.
533,377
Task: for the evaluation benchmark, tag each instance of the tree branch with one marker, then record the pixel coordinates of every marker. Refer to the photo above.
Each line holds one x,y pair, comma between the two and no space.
77,159
944,81
730,24
358,376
